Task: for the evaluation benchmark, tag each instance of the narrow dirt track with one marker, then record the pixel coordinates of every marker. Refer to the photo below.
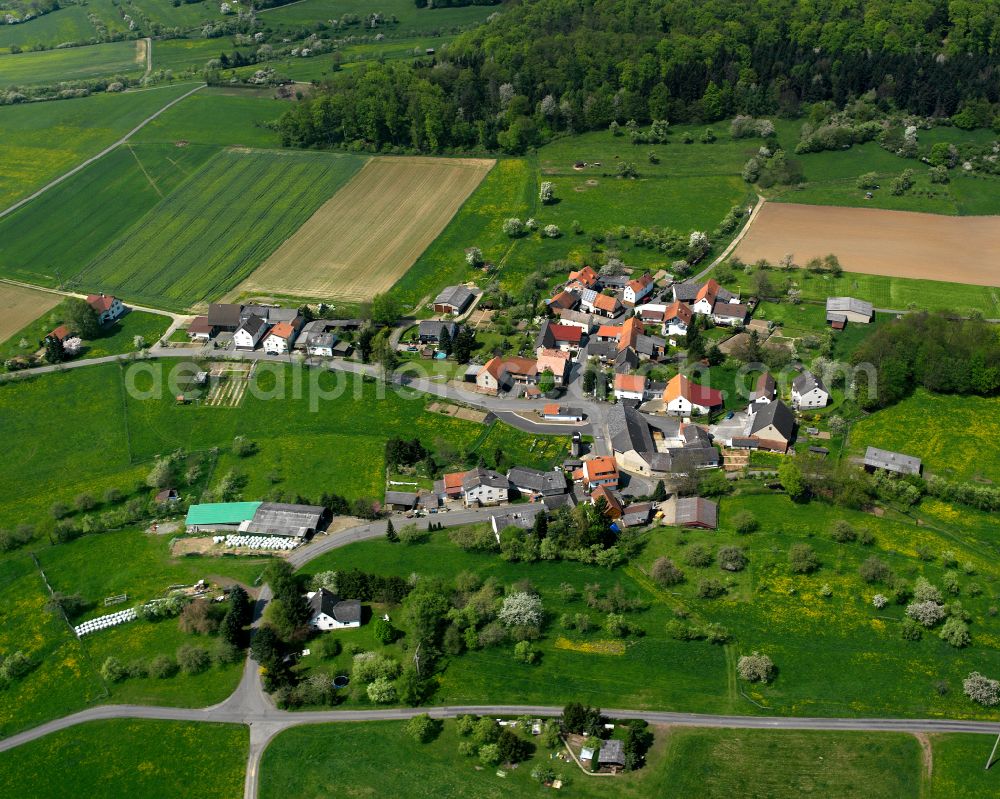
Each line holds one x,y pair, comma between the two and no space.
959,249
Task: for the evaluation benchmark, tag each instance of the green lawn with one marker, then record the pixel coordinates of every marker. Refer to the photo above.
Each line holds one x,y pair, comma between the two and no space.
183,252
111,759
45,67
411,19
114,340
682,762
40,141
68,24
954,436
958,767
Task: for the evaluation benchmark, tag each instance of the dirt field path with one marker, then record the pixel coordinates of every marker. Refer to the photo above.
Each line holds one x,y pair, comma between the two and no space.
960,249
364,238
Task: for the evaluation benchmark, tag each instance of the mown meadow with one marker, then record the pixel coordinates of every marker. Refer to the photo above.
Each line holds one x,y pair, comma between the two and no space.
125,757
43,140
45,67
217,227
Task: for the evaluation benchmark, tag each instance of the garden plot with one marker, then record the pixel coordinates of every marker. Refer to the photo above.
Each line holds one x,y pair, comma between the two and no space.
229,383
876,242
20,306
372,231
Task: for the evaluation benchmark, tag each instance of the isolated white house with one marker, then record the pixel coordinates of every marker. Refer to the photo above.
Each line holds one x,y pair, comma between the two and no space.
809,392
249,334
330,612
108,308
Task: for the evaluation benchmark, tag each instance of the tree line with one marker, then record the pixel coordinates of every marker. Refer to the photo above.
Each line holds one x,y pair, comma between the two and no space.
554,66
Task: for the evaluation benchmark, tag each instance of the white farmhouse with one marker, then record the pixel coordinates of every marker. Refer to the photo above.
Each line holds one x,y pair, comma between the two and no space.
809,392
249,334
279,339
330,612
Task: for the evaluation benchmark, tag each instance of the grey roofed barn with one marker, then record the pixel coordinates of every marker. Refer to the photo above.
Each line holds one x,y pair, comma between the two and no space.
612,753
696,512
850,308
483,477
457,297
545,483
224,315
876,458
401,499
431,330
282,518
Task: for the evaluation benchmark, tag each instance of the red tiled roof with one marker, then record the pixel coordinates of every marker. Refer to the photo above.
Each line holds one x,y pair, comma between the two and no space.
609,331
631,331
677,310
453,480
586,276
639,285
605,303
199,325
634,383
614,506
563,299
708,291
552,409
567,333
100,302
680,386
599,468
60,332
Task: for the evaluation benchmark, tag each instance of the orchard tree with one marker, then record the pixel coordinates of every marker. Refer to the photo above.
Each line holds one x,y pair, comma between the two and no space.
513,227
521,609
547,192
474,257
981,689
755,667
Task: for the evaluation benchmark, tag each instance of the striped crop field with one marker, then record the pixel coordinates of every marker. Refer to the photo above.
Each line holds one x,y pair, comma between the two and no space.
216,227
367,236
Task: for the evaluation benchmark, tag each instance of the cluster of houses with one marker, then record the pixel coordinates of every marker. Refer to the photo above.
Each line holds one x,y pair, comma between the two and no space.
109,309
278,331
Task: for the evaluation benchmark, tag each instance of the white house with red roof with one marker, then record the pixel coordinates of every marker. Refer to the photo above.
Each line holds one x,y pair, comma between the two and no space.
704,301
676,319
683,397
108,307
630,387
279,339
636,290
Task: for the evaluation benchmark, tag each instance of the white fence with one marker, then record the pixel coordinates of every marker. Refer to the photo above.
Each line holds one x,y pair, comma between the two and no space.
269,542
103,622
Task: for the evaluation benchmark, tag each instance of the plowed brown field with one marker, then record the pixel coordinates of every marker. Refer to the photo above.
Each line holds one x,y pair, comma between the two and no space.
362,240
21,306
958,249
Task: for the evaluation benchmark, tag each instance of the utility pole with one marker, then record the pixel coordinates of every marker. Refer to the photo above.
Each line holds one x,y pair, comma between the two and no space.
989,760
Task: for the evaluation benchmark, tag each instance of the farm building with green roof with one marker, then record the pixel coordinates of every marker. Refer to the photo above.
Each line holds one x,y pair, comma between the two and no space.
219,516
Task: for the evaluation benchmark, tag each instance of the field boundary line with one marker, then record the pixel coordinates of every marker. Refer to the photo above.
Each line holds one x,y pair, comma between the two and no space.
143,169
101,154
761,202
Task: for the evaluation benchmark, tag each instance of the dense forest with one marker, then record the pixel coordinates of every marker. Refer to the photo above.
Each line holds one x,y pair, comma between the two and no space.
935,351
547,66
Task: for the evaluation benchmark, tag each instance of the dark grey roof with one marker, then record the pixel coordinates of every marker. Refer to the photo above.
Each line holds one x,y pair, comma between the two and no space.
670,426
892,461
253,325
764,387
342,347
776,413
612,753
458,296
626,360
432,329
325,340
271,313
525,521
602,349
558,501
696,510
545,337
429,499
224,314
615,281
407,498
282,518
580,317
686,292
345,611
553,482
691,457
806,382
483,477
695,436
629,430
730,310
648,345
724,294
637,514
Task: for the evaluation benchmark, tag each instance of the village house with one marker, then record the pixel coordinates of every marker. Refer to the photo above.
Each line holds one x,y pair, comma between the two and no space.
570,318
696,512
599,471
563,301
559,337
481,487
450,485
630,332
683,397
637,290
772,426
676,319
686,292
107,307
200,329
321,344
629,387
555,361
535,483
499,374
432,331
651,446
704,300
330,612
731,314
603,351
401,500
765,390
809,392
889,461
600,304
501,521
652,313
453,300
613,505
272,314
249,333
585,278
279,339
841,310
554,412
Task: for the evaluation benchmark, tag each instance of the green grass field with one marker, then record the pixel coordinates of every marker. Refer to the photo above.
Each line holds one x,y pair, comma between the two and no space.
958,767
43,140
47,67
715,764
185,54
831,177
68,24
184,252
111,759
115,339
953,435
411,20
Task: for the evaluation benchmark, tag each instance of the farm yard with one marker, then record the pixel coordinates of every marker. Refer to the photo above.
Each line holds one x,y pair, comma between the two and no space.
43,140
44,67
120,757
869,241
371,231
20,306
217,227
